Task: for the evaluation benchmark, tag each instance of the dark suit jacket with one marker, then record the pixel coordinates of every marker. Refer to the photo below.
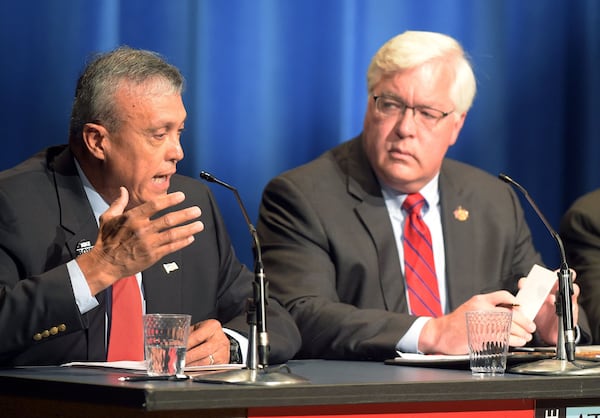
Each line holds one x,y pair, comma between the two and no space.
331,257
44,214
580,231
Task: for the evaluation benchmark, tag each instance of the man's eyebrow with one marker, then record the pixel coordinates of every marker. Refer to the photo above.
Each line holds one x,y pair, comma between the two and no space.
166,125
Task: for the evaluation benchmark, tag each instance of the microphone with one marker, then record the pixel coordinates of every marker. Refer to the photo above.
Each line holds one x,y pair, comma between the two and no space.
259,286
564,274
255,247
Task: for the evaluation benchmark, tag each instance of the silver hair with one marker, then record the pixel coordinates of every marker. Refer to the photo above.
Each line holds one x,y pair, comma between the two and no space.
96,88
415,48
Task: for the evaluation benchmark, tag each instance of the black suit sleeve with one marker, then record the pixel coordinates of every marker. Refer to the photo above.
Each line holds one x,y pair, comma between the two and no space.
580,230
40,320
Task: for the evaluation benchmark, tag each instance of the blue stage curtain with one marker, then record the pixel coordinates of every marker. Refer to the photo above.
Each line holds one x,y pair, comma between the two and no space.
271,84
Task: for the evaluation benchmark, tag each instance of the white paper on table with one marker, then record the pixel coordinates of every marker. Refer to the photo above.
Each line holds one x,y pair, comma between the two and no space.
531,296
431,357
141,365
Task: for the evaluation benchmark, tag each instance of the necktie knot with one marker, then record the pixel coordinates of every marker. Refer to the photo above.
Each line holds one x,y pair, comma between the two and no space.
413,203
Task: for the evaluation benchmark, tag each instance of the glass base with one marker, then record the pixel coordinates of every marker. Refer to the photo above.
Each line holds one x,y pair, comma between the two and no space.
487,373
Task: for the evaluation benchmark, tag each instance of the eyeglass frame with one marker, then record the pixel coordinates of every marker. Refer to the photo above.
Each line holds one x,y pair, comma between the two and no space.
404,107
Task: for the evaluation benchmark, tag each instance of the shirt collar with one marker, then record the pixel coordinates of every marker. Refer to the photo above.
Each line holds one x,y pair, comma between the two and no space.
98,204
430,192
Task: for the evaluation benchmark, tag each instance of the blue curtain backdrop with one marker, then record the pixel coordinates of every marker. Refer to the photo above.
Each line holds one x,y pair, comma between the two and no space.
271,84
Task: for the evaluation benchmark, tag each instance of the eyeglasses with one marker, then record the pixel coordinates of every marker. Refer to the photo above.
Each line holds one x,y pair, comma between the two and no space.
425,116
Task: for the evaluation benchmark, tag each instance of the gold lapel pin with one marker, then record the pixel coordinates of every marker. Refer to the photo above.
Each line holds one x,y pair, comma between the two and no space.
461,214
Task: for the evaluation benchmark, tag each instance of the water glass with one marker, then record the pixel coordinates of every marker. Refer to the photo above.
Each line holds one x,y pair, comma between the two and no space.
488,333
165,341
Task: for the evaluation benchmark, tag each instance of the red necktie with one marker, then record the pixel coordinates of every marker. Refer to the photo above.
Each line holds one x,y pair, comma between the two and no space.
419,267
126,341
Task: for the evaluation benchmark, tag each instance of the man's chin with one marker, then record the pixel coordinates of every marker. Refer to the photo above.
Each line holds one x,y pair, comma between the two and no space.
403,182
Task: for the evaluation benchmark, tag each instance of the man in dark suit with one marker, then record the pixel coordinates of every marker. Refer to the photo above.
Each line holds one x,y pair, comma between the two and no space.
580,230
332,230
76,219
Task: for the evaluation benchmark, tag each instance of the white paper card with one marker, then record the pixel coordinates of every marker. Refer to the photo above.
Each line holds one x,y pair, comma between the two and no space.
531,296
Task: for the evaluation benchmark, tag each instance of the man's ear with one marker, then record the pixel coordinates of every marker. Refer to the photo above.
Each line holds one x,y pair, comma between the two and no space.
458,124
94,139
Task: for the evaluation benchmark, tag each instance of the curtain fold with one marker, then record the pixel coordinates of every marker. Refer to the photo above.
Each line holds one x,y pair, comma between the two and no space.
271,84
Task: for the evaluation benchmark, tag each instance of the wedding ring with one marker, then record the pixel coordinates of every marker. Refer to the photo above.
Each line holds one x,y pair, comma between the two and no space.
212,359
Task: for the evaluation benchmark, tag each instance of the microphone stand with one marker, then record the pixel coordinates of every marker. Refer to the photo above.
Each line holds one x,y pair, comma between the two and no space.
565,362
257,370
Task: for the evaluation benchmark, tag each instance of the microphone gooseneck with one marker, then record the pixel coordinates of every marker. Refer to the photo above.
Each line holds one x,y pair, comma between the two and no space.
564,274
257,311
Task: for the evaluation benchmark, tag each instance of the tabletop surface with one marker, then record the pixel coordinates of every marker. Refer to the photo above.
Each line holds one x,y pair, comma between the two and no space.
347,382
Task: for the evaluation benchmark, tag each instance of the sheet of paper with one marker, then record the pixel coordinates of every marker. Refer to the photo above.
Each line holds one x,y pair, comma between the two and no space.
431,357
531,296
141,366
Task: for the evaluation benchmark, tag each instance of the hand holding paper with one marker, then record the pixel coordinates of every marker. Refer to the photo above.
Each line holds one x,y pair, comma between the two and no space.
531,296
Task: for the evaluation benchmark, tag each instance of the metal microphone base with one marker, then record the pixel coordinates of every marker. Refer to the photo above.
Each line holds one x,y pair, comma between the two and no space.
557,367
269,376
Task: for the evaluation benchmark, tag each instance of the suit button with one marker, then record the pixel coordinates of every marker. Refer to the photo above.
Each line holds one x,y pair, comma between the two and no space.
46,333
62,327
37,337
53,331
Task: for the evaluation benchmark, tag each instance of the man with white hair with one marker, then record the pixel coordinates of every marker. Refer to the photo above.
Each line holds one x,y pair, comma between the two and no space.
333,231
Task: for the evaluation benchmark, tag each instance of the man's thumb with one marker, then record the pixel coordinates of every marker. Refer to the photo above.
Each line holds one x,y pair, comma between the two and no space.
119,204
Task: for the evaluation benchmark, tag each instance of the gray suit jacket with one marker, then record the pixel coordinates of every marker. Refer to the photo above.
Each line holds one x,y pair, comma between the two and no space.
45,214
331,258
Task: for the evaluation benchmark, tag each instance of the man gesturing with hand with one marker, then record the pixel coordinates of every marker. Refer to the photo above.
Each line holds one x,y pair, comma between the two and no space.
77,219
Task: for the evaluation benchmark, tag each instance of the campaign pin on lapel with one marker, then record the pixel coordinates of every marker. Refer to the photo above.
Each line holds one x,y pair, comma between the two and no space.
83,246
170,267
461,214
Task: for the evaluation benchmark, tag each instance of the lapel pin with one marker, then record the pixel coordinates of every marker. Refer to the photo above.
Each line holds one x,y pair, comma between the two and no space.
83,246
170,267
461,214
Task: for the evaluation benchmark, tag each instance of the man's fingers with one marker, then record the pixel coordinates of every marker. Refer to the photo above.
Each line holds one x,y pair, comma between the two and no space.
576,290
207,344
170,245
521,329
179,217
176,225
133,240
148,209
517,341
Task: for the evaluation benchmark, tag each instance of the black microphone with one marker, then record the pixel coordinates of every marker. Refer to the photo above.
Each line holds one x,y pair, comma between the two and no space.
259,286
212,179
564,274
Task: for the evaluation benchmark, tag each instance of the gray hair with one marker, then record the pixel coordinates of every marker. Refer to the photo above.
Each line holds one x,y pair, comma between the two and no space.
412,49
97,86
